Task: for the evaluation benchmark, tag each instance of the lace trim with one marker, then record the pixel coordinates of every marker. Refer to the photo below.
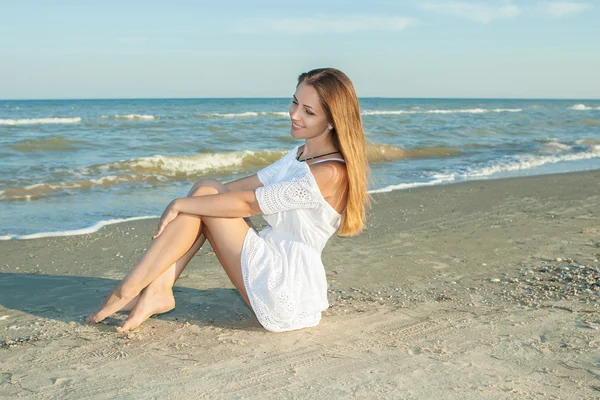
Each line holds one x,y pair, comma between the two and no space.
296,193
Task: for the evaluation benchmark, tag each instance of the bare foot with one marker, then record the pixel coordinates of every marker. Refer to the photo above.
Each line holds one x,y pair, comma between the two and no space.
111,305
131,305
148,304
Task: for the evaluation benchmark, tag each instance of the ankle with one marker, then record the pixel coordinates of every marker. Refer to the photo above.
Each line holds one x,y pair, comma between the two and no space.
160,290
126,292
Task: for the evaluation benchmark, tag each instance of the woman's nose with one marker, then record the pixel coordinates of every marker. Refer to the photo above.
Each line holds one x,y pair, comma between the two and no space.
295,113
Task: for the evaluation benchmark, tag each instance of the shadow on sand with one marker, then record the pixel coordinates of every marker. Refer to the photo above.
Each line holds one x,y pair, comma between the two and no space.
72,298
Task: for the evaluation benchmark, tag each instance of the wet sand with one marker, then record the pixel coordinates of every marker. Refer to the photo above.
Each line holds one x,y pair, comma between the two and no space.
476,290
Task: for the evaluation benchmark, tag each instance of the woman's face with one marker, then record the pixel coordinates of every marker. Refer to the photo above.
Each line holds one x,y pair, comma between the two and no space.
307,115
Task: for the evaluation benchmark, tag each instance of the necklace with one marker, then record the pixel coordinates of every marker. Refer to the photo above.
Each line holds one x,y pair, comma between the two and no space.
311,158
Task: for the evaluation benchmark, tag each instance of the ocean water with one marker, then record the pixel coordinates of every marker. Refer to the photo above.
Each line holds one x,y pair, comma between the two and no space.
71,166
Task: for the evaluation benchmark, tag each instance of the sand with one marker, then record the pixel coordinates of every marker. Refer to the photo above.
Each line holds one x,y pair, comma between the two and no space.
476,290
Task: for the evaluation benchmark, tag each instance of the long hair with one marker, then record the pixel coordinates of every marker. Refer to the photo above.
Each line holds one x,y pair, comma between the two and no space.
338,99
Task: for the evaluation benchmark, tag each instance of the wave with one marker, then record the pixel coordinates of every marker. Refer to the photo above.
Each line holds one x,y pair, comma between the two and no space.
39,190
130,117
555,147
160,168
175,166
31,121
379,152
184,166
246,114
523,162
465,111
589,142
75,232
402,186
149,170
583,107
413,110
57,143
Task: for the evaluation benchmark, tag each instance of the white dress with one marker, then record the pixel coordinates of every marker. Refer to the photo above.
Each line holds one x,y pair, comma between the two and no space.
281,264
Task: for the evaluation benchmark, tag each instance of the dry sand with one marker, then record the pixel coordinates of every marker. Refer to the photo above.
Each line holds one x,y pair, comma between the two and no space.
468,291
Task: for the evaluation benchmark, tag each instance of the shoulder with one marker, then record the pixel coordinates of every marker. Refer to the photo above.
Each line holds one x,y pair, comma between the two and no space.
329,175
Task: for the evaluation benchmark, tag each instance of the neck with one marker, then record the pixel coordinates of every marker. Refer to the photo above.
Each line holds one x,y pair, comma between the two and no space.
318,145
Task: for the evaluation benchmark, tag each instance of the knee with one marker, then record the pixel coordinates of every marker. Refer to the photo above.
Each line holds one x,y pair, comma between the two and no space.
207,186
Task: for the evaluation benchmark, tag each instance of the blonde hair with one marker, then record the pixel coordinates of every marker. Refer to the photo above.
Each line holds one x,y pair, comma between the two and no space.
338,99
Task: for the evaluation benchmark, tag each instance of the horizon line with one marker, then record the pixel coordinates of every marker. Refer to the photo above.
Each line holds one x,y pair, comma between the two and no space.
279,98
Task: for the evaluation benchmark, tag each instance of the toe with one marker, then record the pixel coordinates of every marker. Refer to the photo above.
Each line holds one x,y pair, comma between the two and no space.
128,324
91,319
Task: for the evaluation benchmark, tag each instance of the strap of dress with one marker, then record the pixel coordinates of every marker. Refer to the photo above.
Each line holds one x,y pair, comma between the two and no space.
329,159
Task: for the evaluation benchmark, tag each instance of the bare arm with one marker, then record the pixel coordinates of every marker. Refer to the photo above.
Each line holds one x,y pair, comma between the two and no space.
225,205
249,183
242,203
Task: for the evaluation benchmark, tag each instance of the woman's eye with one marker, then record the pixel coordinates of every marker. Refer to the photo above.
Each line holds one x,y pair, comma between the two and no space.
309,113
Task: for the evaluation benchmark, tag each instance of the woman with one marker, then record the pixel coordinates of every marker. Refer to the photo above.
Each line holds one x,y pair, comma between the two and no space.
306,196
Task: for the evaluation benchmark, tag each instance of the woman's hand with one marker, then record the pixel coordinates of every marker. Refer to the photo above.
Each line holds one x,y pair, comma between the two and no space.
168,216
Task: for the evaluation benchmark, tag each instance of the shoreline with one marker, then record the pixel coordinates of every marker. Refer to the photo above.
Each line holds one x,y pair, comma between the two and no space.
95,227
481,289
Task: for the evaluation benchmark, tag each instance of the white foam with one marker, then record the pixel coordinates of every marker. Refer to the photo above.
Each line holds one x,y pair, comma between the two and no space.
31,121
248,114
132,117
34,186
524,162
146,169
112,179
75,232
555,147
187,164
583,107
192,164
441,180
465,111
529,162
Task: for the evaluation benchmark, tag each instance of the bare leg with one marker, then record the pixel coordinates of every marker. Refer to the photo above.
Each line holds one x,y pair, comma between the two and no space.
175,241
161,287
158,297
167,279
226,236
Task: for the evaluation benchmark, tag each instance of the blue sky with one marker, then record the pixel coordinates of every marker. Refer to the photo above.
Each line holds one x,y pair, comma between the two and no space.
134,49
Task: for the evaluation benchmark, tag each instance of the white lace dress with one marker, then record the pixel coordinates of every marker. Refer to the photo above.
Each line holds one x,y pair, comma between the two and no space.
281,265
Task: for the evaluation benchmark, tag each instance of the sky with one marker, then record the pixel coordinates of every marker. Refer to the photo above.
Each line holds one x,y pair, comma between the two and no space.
200,49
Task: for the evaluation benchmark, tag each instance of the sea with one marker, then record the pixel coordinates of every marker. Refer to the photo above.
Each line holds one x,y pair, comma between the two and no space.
69,167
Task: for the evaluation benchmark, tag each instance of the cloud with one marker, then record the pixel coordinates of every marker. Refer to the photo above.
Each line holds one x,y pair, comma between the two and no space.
318,25
563,9
478,12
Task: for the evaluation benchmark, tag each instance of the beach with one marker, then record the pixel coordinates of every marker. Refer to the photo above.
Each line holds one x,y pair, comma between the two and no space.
483,289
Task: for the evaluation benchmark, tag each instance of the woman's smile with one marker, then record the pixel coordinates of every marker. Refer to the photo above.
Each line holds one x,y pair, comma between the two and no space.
296,127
